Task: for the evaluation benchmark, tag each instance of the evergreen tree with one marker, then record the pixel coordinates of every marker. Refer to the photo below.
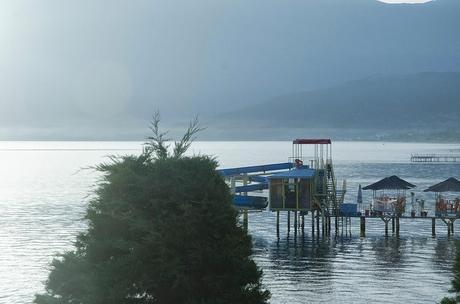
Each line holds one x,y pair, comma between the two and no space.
162,229
456,280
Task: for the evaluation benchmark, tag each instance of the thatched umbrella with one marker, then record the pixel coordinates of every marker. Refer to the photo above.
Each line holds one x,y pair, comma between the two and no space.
390,183
449,185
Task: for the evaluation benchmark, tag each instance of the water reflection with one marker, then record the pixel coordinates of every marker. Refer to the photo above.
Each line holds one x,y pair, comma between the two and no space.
389,252
43,201
444,254
327,269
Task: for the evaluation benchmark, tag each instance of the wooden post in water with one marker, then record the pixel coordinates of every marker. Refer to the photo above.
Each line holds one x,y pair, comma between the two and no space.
295,224
362,226
328,225
452,224
324,220
278,224
336,224
323,224
317,222
448,224
350,225
385,220
393,224
288,222
245,219
303,224
397,226
313,223
433,226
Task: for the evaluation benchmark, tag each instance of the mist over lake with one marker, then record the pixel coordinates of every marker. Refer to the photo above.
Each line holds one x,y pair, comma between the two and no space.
45,188
179,152
93,70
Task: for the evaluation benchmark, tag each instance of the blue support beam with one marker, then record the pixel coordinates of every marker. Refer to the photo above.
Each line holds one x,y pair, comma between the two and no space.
258,179
250,188
250,202
254,169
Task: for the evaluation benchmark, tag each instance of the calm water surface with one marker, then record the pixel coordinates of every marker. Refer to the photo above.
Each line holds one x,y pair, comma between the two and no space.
44,189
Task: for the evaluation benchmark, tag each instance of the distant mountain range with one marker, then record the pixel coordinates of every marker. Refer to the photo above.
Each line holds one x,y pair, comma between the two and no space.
419,106
271,69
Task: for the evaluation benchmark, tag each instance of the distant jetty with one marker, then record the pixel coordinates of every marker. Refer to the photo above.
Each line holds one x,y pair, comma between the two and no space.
435,158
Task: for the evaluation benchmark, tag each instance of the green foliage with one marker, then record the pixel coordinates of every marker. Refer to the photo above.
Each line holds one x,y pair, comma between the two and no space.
448,301
456,279
158,142
162,229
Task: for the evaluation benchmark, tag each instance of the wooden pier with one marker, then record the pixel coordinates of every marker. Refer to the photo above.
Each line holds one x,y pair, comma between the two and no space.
435,158
321,225
300,189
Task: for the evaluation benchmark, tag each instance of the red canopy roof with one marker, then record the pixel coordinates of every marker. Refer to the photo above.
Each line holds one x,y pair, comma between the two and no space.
303,141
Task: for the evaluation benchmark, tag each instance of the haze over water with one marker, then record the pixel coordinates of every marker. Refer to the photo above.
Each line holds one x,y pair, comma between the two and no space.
44,193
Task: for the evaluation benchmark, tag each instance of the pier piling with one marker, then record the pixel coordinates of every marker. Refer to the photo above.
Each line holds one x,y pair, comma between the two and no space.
312,223
385,221
288,222
277,224
449,224
245,220
323,228
303,224
295,224
362,226
326,226
317,222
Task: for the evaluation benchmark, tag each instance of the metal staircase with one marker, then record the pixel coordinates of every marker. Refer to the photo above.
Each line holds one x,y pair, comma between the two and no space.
331,189
333,196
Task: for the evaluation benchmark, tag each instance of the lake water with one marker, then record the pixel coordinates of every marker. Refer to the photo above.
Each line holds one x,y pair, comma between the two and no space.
45,188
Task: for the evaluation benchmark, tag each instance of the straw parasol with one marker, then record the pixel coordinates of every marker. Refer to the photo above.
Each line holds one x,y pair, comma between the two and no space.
390,183
449,185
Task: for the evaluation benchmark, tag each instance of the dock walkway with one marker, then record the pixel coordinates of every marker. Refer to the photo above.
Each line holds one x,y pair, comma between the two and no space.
435,158
322,224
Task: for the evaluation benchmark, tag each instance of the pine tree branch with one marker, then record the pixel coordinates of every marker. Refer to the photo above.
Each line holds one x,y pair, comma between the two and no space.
157,143
184,144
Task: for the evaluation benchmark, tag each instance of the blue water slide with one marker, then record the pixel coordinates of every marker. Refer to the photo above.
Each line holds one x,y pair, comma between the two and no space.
252,187
348,209
254,169
258,179
250,202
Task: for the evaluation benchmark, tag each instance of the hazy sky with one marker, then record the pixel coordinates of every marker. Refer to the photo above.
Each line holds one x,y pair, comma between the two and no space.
68,64
405,1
